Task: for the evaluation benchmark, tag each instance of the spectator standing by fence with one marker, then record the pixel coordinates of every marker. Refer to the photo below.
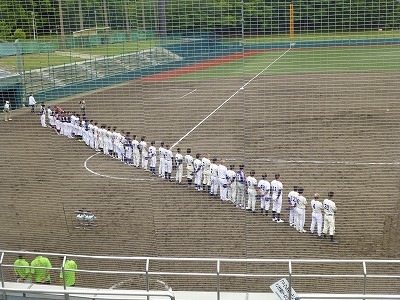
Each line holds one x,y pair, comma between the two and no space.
32,102
21,269
69,274
41,275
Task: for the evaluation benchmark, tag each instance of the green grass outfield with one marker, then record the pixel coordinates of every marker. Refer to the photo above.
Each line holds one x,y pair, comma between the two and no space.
311,60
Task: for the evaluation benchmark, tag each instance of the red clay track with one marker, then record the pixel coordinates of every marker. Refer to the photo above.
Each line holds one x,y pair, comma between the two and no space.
200,66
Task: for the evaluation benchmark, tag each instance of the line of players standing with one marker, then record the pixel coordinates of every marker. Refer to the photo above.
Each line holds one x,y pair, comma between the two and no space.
206,174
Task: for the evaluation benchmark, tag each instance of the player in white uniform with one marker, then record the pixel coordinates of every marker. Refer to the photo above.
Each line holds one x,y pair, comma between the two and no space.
135,152
231,177
252,191
205,164
214,178
145,152
161,167
7,113
179,166
329,218
43,115
189,166
264,190
241,187
276,198
197,172
50,116
153,157
128,149
223,183
168,162
316,218
292,199
301,211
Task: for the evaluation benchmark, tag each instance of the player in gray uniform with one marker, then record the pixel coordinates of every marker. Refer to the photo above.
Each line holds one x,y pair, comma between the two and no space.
189,166
213,177
241,187
153,157
168,162
316,218
135,151
329,218
161,167
179,166
231,177
197,172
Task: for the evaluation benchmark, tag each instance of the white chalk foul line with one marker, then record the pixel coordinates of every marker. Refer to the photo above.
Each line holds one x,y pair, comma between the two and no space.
108,176
234,94
188,94
322,162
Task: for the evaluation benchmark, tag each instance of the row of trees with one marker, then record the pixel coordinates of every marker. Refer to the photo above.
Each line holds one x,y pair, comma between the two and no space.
43,17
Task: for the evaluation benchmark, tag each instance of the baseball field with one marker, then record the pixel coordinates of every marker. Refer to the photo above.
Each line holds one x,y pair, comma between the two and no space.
326,119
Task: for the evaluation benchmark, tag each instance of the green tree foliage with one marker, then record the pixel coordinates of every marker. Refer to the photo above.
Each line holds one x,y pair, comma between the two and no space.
259,16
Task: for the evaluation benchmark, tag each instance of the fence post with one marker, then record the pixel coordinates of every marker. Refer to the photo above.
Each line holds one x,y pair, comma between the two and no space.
66,296
147,277
290,280
218,280
1,275
365,277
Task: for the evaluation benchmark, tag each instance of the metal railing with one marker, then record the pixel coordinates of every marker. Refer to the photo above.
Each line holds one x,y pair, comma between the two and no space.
289,274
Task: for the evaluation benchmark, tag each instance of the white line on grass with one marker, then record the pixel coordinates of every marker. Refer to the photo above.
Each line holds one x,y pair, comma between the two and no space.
233,95
108,176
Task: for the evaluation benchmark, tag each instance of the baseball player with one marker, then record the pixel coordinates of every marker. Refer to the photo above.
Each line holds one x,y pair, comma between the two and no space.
241,187
7,113
206,165
213,177
43,115
231,177
179,166
276,197
136,153
153,157
32,103
223,182
252,191
145,152
292,199
197,172
168,162
264,190
316,218
161,167
189,166
128,149
329,218
300,211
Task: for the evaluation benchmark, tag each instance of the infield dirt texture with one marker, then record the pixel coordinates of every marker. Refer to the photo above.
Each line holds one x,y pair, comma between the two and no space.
325,132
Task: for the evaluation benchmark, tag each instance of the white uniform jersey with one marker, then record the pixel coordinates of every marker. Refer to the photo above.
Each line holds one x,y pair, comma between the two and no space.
231,176
168,155
251,183
161,152
152,151
189,160
264,187
213,170
301,202
197,165
292,198
205,163
316,206
329,207
178,159
31,100
143,146
276,187
135,144
221,171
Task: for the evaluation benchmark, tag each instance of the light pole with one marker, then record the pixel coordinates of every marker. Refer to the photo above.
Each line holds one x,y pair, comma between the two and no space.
33,25
95,18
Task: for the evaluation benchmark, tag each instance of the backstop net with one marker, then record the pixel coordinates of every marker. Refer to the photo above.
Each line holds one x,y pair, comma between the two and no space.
305,89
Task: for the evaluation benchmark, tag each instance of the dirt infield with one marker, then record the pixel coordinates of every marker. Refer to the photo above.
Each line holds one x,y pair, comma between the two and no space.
324,132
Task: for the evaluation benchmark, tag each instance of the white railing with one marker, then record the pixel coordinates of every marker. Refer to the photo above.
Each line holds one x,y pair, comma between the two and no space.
289,274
